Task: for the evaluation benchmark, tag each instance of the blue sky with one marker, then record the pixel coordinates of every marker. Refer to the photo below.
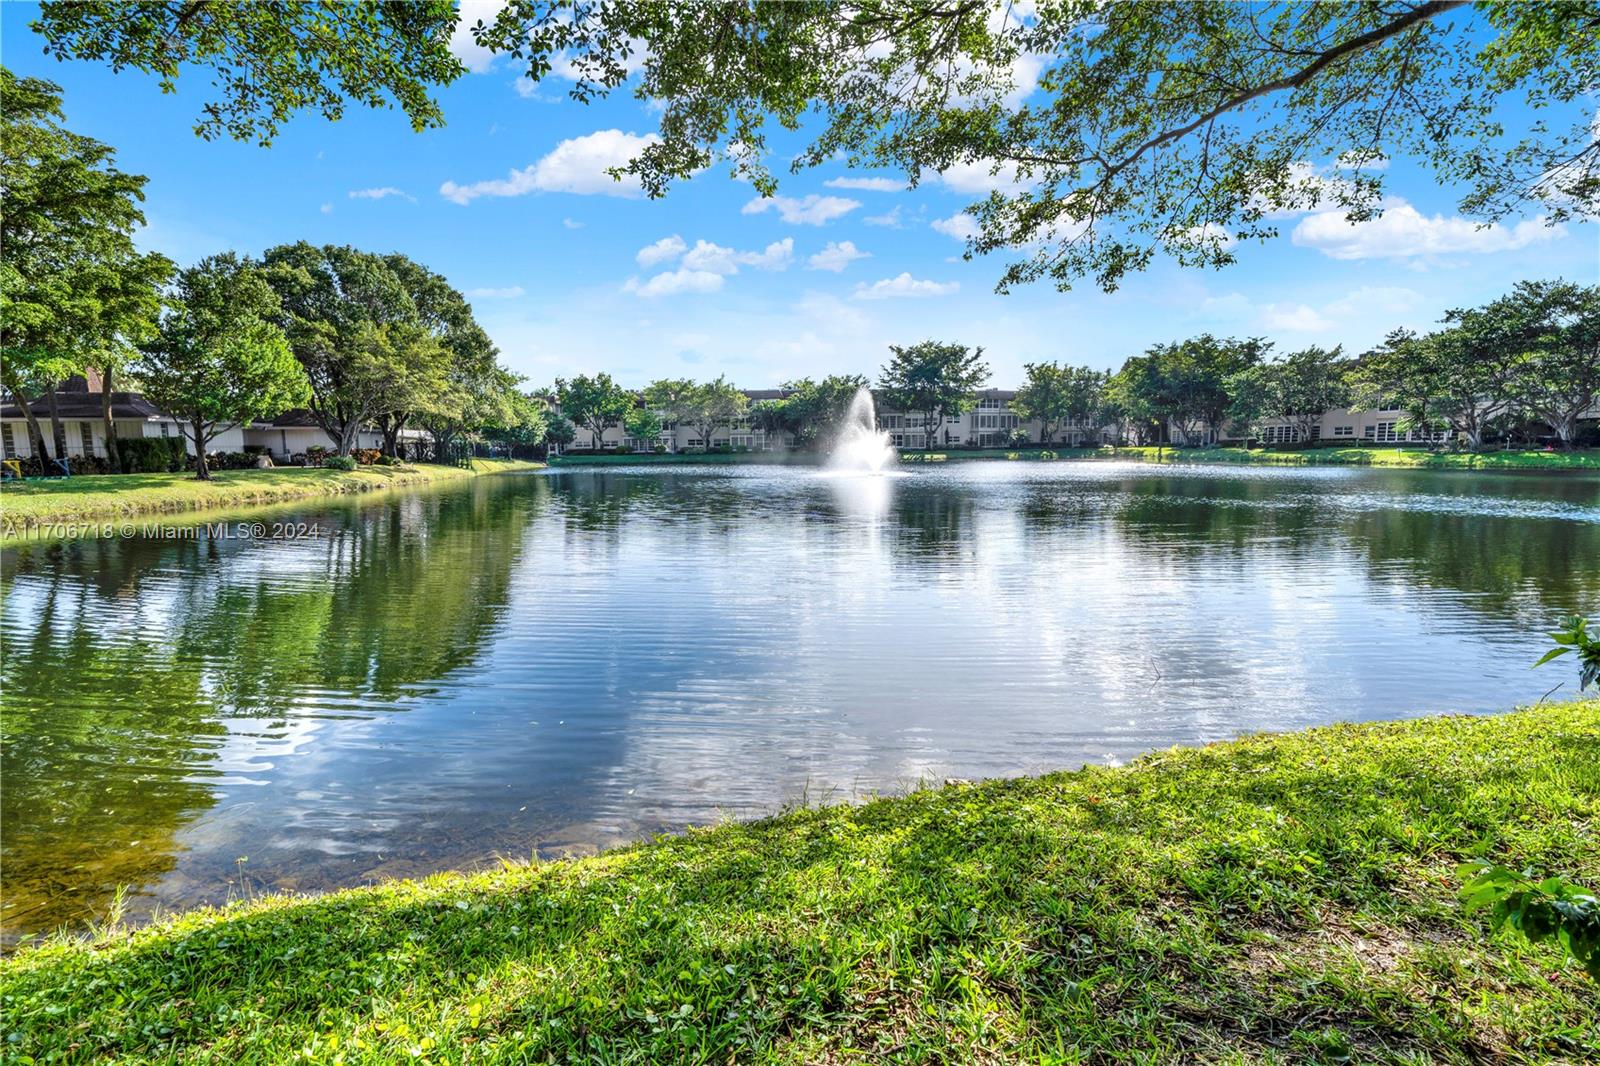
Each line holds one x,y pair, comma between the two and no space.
570,272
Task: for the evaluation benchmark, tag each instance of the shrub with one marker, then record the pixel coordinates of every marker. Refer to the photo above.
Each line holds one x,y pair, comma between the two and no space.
388,460
367,456
339,462
152,455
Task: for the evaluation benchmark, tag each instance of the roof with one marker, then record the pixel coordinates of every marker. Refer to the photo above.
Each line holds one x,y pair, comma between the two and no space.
74,402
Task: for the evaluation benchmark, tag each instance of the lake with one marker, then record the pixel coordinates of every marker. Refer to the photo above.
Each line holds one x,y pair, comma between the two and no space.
552,663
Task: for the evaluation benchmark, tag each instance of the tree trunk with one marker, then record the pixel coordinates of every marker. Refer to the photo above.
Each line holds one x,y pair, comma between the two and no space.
347,436
58,432
13,385
113,455
201,471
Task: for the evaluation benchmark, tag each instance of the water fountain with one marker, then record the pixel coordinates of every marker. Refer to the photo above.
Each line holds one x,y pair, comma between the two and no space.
860,446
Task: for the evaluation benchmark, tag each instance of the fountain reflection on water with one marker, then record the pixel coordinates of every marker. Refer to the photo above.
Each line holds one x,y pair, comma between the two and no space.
861,447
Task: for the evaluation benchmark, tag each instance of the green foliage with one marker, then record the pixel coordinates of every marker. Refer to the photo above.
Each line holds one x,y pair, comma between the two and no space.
152,455
339,462
1055,396
1295,389
1180,129
1236,901
933,380
594,403
1575,638
1549,909
642,423
559,429
218,358
814,409
270,60
712,406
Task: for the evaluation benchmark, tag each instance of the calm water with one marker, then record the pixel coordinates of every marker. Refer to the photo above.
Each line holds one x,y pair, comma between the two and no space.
553,663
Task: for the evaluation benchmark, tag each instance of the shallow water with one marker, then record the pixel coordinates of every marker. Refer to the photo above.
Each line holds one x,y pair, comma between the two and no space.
554,663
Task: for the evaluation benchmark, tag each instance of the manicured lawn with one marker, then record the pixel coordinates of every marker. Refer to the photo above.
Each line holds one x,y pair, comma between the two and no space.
27,506
678,458
1287,898
1586,459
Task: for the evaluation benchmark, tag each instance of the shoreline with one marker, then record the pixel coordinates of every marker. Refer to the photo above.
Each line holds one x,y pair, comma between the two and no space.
30,510
1586,460
1174,907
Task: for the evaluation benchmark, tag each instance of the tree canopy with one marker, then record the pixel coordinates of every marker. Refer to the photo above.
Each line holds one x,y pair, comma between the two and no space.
933,380
1157,127
219,359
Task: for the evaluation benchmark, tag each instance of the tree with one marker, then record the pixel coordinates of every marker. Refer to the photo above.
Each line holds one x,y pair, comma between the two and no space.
559,429
270,60
671,398
814,409
353,326
1057,396
1295,389
1188,386
73,290
1184,129
446,372
642,424
1558,377
523,422
773,417
594,403
1460,376
933,380
218,358
714,404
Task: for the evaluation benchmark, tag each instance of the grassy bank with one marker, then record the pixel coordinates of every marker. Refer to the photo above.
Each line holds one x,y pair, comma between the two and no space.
1587,459
1275,898
679,458
27,507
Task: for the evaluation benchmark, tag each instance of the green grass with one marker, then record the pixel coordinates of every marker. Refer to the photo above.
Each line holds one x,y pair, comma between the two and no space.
677,458
29,507
1586,459
1278,898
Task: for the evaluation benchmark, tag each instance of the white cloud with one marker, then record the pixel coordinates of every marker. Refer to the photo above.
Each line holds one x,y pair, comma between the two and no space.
327,209
379,194
904,285
836,256
1294,318
661,251
572,223
577,165
980,177
1210,233
716,259
508,293
961,225
812,210
671,282
891,219
1402,232
1373,299
866,184
474,57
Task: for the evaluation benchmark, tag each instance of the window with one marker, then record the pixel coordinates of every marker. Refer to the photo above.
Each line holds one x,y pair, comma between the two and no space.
695,442
1316,432
1344,431
1386,433
891,422
951,420
743,440
1367,432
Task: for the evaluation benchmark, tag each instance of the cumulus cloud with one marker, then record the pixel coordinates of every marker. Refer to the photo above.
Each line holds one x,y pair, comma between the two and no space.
890,218
1294,318
577,165
327,209
671,282
474,57
836,256
1403,232
979,177
508,293
866,184
661,251
961,225
811,210
904,286
381,193
571,223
